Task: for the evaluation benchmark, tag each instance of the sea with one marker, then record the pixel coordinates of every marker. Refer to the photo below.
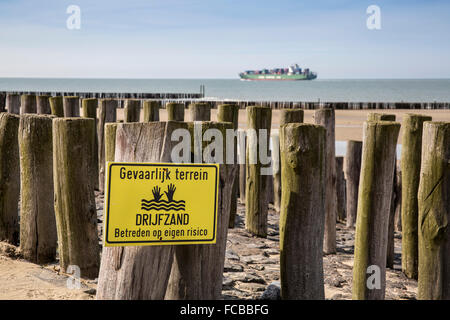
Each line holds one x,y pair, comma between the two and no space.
330,90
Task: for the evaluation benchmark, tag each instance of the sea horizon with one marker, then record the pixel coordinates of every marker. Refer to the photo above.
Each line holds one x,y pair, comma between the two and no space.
331,90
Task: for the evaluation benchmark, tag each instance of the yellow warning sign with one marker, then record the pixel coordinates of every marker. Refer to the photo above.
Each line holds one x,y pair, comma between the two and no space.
160,204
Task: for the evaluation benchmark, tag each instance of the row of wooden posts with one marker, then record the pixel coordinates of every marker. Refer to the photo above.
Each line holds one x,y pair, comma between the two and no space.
53,163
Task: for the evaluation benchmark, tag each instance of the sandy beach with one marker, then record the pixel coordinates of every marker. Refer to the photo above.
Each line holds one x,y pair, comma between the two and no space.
251,263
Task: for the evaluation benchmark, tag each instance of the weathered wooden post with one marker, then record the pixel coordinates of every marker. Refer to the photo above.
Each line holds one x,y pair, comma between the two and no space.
38,240
375,116
302,214
241,150
276,174
110,142
325,117
71,106
28,103
411,160
57,106
107,113
434,213
374,204
291,116
43,105
138,272
286,116
151,110
390,254
340,190
398,192
175,111
197,270
89,110
2,102
75,209
13,103
200,112
230,113
259,121
9,178
132,110
352,169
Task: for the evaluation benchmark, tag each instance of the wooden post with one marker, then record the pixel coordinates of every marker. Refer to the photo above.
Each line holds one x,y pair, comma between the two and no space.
175,111
325,117
391,227
200,112
276,174
411,161
132,110
38,240
57,106
89,110
230,113
286,116
138,272
340,190
43,105
13,103
352,169
241,145
398,192
110,141
75,209
213,256
9,178
374,116
374,205
151,110
107,113
109,148
256,200
390,254
291,116
434,213
302,213
71,106
28,103
197,270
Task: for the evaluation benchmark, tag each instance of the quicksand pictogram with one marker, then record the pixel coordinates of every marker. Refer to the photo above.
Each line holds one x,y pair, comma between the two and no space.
157,203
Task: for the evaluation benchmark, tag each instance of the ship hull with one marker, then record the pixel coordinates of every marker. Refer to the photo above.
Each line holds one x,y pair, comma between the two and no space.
276,77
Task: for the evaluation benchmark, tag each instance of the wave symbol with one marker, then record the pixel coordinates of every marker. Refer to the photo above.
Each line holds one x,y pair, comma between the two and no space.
148,205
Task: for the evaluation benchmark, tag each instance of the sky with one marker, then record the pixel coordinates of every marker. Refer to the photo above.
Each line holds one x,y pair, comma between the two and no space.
220,38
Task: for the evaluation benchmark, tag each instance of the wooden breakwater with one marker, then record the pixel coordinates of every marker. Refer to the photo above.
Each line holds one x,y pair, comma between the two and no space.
189,98
49,162
109,95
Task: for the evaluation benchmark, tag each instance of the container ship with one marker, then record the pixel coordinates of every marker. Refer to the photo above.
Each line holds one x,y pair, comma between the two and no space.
292,73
